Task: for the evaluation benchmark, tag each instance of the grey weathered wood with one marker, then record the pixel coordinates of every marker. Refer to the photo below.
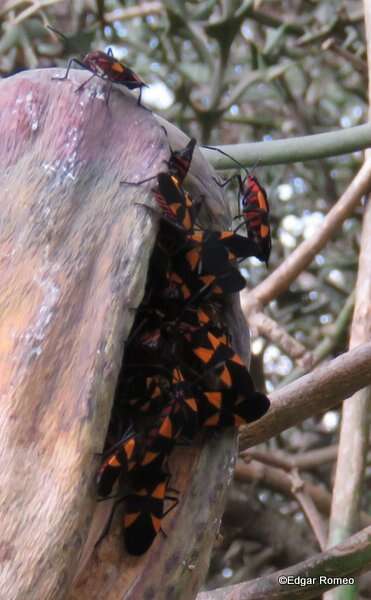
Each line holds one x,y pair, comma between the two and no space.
73,254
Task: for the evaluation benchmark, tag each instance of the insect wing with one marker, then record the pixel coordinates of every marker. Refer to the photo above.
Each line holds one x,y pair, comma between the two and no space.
143,516
239,246
231,282
108,67
251,407
174,201
122,460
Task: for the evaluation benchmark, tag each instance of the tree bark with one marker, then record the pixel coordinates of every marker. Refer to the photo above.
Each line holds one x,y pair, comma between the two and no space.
74,252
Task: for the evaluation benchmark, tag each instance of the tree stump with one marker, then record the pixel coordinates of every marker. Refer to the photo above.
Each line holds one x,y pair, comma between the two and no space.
75,246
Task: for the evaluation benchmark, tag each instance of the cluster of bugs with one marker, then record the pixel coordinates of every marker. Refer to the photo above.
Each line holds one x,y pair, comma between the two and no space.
180,375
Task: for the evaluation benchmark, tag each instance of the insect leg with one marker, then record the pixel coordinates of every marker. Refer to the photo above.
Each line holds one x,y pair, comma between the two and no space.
69,65
81,87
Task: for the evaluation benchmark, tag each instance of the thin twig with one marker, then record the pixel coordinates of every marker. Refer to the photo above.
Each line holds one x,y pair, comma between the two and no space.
252,78
312,394
347,559
270,329
193,33
328,344
270,20
267,458
319,34
278,480
309,508
287,462
35,7
143,10
357,62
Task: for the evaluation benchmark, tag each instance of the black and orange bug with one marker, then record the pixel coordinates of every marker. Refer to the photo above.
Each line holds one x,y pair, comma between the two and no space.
181,285
148,396
254,207
215,252
217,286
159,441
195,286
232,399
205,251
197,263
161,390
162,437
208,349
121,458
144,512
206,314
225,408
105,66
183,396
175,203
180,160
255,212
216,351
148,450
228,395
178,163
194,317
205,349
178,418
234,393
186,287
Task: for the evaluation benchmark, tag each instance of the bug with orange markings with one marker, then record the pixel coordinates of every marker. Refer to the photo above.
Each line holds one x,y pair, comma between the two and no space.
178,163
178,418
180,160
216,252
105,66
175,202
225,408
254,208
145,510
123,457
255,212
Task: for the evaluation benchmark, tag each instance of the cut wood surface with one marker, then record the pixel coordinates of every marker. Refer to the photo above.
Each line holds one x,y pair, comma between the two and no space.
74,249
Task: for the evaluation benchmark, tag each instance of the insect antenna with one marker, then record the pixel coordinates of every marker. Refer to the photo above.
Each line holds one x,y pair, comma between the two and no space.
228,156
